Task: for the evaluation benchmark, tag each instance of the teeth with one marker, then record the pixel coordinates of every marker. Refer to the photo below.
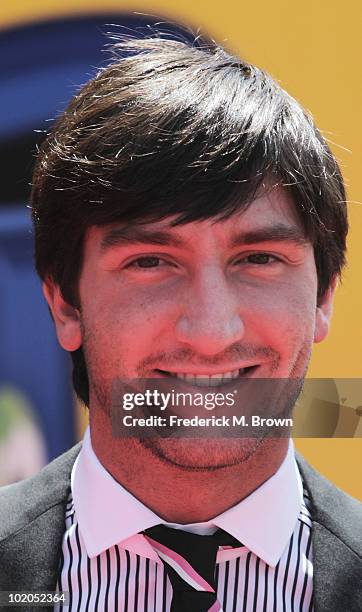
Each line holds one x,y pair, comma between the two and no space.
201,380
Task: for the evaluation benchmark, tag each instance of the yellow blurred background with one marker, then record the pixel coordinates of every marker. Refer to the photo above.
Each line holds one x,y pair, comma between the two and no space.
313,49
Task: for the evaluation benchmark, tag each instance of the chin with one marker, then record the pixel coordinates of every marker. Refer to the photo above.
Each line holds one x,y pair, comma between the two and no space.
203,454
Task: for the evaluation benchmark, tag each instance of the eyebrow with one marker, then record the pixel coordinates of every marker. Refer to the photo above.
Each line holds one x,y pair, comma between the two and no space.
138,235
121,236
274,233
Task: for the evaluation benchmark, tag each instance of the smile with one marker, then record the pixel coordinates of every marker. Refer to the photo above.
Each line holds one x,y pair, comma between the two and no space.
212,380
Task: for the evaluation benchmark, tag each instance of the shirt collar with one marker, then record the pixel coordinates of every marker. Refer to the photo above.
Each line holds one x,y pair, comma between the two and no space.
108,514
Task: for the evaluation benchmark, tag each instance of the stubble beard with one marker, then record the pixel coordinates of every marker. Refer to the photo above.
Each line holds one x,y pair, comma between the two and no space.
217,453
194,454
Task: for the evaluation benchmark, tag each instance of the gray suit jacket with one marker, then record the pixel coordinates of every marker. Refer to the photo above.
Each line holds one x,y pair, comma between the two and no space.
32,526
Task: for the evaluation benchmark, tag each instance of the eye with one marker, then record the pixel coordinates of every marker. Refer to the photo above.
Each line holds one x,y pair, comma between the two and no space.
259,259
148,261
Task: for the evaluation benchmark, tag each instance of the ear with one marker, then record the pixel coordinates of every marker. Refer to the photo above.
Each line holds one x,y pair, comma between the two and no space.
66,317
324,313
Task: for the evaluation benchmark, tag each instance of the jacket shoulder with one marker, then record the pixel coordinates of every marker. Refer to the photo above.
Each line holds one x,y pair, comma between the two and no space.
22,502
332,508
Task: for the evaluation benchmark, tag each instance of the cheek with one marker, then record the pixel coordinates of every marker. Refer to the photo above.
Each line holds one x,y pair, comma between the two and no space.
122,325
138,312
285,315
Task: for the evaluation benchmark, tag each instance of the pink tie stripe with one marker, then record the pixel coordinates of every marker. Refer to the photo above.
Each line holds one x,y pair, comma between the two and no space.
182,567
215,607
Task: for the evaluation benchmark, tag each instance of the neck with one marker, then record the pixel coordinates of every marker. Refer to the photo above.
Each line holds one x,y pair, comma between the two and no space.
177,492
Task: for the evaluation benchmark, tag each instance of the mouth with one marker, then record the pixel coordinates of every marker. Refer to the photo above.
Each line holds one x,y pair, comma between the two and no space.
210,380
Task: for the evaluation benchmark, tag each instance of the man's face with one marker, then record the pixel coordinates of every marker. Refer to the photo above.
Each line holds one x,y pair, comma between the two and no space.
211,298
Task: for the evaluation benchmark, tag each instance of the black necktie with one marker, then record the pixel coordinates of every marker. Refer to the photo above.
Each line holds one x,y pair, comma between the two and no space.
190,561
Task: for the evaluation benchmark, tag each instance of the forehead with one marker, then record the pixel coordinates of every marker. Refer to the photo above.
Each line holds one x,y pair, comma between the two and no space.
272,211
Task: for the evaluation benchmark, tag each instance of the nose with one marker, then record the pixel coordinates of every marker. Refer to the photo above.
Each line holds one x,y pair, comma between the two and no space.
210,319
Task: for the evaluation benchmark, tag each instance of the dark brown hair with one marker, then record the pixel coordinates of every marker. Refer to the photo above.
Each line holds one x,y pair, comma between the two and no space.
173,128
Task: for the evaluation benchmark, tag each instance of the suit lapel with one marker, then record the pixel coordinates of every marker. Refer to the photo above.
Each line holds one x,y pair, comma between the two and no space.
31,551
38,545
337,573
336,545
